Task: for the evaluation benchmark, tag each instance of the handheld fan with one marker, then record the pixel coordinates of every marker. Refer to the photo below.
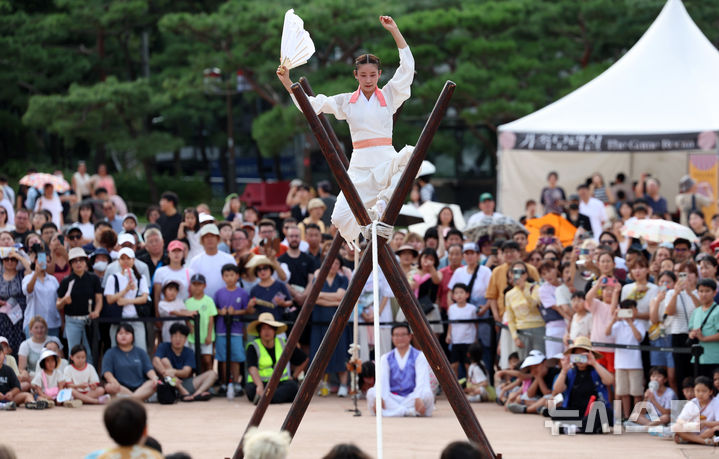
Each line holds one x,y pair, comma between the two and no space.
297,46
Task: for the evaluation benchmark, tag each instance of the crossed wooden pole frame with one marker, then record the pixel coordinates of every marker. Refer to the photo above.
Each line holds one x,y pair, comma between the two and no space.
338,163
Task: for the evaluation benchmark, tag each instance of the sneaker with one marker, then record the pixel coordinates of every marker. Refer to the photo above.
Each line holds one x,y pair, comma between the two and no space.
342,391
475,398
410,413
517,408
543,411
8,406
103,399
223,389
38,405
72,404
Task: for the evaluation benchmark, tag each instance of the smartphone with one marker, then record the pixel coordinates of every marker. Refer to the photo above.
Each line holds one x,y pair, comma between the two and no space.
42,259
578,358
663,288
583,251
625,314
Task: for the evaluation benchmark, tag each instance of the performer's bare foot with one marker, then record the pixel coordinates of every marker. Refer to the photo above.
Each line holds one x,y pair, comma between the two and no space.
419,407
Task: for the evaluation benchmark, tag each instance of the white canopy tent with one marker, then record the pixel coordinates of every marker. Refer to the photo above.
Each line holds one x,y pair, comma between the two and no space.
661,96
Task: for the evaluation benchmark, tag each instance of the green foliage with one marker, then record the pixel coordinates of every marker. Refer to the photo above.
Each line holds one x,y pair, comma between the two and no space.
190,189
73,70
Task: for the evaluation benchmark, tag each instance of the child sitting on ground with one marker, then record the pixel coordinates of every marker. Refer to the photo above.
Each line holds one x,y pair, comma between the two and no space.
660,397
477,383
699,415
461,335
81,378
581,323
55,347
10,395
508,380
46,383
629,376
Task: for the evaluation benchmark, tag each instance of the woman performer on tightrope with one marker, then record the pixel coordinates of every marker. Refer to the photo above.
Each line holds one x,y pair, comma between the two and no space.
375,167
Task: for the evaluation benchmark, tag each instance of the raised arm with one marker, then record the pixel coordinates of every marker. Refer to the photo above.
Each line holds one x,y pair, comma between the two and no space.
389,24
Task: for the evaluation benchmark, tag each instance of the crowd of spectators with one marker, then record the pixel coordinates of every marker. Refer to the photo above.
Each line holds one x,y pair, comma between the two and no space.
505,315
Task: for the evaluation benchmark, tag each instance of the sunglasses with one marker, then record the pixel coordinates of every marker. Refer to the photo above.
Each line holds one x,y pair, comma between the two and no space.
74,237
262,268
519,271
608,241
551,258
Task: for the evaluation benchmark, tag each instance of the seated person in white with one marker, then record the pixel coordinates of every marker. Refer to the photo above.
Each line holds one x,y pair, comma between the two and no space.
405,379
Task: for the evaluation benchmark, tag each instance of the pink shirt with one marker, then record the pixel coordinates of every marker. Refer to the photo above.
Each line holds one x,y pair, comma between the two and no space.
601,318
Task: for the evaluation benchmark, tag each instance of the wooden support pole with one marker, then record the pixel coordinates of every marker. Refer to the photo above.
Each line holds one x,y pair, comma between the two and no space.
293,339
433,350
399,284
326,124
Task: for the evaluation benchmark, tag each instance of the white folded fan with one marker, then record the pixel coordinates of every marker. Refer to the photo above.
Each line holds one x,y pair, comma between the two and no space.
297,46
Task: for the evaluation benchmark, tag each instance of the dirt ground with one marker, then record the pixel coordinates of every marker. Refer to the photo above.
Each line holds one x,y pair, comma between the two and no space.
212,430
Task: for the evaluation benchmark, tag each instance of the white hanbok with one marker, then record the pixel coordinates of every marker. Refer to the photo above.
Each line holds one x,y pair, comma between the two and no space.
375,166
397,405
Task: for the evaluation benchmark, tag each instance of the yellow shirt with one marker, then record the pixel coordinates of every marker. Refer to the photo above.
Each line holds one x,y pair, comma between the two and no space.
498,282
522,308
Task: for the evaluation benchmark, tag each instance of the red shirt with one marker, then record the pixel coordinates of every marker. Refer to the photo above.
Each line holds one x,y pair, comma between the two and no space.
447,272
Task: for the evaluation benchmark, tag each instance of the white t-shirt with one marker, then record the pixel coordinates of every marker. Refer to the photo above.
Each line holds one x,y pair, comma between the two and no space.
562,295
53,205
53,380
122,280
88,375
627,359
581,326
679,322
182,276
689,417
210,266
476,375
41,302
665,400
165,308
479,289
594,209
88,230
463,333
32,351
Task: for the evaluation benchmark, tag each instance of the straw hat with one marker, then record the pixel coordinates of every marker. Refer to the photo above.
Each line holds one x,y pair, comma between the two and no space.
268,319
407,247
314,203
255,261
582,342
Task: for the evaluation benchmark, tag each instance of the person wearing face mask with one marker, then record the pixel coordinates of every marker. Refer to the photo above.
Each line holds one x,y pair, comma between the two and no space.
100,259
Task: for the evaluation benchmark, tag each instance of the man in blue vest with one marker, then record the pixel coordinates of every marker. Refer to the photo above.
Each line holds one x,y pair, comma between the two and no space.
262,356
405,379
